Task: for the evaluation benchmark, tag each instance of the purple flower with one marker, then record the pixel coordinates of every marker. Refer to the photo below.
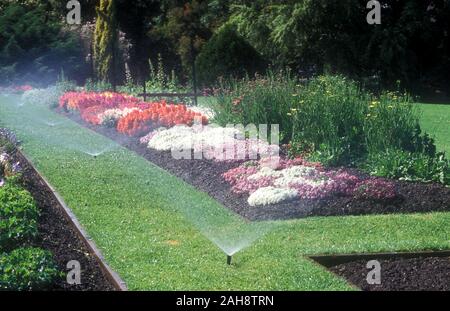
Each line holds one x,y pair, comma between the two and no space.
16,168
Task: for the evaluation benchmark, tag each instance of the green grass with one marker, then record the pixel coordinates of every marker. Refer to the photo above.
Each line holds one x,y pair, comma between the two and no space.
153,228
435,119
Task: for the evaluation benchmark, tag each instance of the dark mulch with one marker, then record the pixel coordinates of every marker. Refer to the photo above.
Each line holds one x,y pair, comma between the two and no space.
423,273
206,176
58,236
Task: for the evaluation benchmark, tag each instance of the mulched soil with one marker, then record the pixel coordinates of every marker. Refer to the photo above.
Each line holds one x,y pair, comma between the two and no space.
205,175
414,274
58,236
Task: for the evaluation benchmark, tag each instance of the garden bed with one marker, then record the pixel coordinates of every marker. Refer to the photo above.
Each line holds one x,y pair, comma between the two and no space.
399,272
60,237
205,175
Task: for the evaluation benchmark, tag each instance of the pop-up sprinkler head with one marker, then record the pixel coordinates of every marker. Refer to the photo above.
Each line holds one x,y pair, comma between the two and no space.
228,259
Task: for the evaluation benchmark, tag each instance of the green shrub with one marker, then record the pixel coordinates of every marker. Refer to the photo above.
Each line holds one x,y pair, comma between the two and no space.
100,86
18,215
392,122
409,166
227,54
27,269
263,100
329,116
34,50
341,123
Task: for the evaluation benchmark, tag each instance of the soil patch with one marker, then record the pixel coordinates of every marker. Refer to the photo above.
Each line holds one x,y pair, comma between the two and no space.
401,274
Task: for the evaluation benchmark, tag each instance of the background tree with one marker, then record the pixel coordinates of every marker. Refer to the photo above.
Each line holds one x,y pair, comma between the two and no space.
105,42
36,47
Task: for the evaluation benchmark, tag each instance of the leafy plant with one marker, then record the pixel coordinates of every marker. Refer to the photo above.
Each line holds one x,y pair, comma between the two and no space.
18,215
99,86
161,82
262,100
409,166
227,54
27,269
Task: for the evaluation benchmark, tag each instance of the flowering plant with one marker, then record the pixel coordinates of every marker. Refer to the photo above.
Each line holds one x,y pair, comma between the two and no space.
132,115
17,89
110,117
268,184
106,100
158,114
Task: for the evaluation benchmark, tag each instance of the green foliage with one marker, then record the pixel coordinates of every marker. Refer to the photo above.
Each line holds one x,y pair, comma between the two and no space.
340,123
329,119
328,116
392,122
227,54
409,166
183,25
105,41
334,37
97,86
160,82
27,269
263,100
18,215
34,45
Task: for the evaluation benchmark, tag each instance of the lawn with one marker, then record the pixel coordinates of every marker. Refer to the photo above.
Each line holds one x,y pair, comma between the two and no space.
159,233
435,119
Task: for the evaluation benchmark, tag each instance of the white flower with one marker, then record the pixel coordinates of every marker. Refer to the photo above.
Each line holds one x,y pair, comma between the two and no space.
207,112
114,114
4,157
271,195
48,97
176,138
265,172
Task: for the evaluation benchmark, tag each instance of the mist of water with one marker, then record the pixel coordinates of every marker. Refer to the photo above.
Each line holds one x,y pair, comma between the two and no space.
228,231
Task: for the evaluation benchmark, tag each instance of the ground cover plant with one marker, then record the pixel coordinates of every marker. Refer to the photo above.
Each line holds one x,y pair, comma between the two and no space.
36,240
160,228
21,267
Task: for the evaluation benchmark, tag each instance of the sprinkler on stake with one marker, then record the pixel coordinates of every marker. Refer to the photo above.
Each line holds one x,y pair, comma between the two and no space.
229,259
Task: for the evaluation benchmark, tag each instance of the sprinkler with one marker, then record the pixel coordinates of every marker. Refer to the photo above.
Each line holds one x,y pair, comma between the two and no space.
229,259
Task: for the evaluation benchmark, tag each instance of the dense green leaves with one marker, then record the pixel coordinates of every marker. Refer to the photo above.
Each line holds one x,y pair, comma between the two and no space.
18,216
227,54
35,47
27,269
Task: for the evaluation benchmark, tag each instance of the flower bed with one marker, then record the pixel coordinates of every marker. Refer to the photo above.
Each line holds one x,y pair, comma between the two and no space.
270,181
158,114
211,142
16,89
131,115
247,174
